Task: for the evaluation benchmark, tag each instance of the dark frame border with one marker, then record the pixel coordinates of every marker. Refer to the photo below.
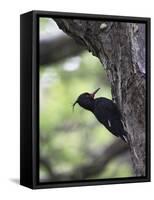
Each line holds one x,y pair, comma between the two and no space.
29,159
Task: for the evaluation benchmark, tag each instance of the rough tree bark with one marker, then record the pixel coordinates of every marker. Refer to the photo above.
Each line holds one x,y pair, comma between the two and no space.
121,49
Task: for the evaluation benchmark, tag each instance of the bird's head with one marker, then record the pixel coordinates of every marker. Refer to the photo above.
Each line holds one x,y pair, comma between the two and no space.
86,100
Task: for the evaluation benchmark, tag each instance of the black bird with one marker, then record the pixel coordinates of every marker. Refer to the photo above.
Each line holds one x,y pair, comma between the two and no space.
106,112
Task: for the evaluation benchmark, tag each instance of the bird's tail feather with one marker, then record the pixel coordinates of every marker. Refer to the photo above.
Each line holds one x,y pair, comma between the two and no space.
124,137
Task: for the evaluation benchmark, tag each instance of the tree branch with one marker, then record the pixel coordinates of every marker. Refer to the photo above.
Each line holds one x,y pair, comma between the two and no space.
97,164
55,49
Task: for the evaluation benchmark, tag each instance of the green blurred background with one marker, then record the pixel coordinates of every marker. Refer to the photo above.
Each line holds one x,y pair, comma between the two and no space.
70,140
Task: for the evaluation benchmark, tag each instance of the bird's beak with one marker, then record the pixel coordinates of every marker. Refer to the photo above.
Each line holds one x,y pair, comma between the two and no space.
93,94
75,104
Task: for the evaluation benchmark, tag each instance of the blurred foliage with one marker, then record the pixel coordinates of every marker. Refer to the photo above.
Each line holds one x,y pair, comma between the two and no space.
67,138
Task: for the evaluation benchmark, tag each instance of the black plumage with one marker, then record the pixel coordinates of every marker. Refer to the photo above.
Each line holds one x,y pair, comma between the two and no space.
106,112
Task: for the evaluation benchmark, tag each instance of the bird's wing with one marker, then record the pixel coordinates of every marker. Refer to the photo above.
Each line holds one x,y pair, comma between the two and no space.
107,108
108,114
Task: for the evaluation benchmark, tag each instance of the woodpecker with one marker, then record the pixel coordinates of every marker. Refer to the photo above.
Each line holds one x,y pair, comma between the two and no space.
105,111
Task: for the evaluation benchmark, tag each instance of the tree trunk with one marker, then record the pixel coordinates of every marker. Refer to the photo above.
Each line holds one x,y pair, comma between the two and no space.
121,49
